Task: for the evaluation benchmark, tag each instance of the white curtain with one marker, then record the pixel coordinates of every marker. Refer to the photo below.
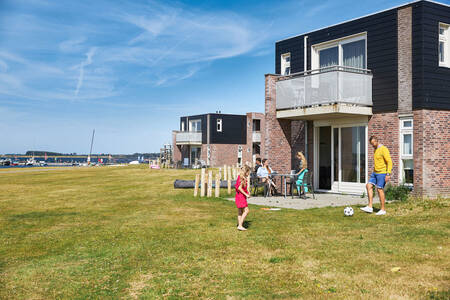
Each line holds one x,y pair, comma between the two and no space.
354,54
329,57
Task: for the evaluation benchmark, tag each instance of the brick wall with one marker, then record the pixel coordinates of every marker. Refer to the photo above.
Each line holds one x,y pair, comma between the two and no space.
278,132
250,117
176,149
297,141
404,43
431,153
386,128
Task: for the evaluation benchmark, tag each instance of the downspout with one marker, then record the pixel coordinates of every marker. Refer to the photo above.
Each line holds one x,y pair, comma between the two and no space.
305,67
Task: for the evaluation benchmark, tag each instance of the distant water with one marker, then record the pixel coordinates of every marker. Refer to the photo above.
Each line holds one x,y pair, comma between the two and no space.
70,160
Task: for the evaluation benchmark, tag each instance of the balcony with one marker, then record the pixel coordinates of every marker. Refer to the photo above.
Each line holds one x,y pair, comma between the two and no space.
324,93
256,137
189,138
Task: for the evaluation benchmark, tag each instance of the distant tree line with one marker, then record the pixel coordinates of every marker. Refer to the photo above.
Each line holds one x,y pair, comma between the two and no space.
49,153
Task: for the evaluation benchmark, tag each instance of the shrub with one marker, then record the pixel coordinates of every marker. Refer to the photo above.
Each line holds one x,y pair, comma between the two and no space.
400,192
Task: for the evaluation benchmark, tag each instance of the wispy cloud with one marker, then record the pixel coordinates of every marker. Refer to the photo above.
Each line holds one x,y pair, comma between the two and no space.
164,42
82,65
72,45
311,12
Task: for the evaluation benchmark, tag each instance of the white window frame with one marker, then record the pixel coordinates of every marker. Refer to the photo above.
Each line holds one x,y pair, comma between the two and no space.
285,64
219,125
316,48
182,126
444,38
404,131
195,121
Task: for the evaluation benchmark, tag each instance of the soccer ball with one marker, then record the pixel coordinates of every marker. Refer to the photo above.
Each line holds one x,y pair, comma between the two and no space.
348,211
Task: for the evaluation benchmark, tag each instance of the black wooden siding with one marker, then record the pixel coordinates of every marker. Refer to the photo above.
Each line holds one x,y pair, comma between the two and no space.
196,117
234,129
431,83
381,53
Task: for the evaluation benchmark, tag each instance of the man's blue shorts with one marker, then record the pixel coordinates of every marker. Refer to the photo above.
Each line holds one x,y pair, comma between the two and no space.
379,180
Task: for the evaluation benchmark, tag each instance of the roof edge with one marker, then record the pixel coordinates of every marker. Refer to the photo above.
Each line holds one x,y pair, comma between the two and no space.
368,15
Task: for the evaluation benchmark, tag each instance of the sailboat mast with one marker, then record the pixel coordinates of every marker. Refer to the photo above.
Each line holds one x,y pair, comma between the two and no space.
92,142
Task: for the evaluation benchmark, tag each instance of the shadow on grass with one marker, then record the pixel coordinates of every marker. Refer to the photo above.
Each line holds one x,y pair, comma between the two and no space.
247,224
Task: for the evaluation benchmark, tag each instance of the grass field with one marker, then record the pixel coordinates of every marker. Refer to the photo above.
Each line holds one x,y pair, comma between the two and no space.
126,233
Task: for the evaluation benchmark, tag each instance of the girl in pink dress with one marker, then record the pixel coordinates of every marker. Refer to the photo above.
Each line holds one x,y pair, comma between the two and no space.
241,196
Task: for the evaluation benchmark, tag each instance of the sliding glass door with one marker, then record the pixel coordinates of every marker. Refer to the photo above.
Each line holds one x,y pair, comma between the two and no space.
341,153
353,154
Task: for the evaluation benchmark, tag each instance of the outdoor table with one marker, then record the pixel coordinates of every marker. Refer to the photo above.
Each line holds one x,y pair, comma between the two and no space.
283,180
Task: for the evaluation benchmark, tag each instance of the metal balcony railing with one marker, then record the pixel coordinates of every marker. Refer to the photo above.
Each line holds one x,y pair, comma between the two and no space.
189,137
336,84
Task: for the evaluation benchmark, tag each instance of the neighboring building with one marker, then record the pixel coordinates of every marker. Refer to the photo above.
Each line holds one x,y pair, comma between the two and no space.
218,139
385,74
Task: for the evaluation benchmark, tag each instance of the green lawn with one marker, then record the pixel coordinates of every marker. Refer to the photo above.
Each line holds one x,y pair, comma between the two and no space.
124,232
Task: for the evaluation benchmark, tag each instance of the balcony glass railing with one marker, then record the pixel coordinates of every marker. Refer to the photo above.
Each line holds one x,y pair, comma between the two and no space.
336,84
189,137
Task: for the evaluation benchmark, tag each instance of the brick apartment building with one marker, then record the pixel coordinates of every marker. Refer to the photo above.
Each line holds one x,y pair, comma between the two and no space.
218,139
386,74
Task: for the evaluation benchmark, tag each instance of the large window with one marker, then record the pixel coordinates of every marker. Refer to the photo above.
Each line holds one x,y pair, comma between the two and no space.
444,48
406,151
195,125
353,154
349,52
286,64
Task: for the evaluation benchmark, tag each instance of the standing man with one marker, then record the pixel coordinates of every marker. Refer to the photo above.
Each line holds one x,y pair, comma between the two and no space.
380,176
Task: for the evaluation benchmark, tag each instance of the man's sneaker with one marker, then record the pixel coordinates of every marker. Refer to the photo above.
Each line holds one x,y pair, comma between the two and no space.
367,209
381,212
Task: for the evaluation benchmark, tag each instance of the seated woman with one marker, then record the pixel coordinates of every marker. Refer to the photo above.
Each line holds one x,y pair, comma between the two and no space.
303,166
264,172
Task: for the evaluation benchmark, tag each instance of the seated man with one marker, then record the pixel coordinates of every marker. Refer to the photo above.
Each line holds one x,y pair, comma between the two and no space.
258,164
264,173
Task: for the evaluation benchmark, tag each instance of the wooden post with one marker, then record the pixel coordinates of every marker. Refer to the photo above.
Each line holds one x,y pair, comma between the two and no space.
229,185
197,179
234,174
217,186
229,173
202,183
220,173
206,182
224,172
210,179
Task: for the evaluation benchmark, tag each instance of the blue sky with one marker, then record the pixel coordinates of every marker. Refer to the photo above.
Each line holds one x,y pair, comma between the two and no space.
130,69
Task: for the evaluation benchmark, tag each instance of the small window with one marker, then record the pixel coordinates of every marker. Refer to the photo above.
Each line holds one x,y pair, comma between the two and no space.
219,125
444,45
406,151
408,171
407,144
286,64
256,125
407,124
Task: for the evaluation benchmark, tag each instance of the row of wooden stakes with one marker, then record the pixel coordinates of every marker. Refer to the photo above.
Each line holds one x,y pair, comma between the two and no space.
205,181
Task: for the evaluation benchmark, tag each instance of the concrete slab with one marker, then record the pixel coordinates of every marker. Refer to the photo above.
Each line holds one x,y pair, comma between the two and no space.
322,200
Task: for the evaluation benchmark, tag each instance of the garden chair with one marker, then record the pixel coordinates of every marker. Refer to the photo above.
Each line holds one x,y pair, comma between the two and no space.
255,183
307,182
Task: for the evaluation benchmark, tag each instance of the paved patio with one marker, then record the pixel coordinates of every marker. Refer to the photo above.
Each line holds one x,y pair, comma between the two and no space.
322,200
